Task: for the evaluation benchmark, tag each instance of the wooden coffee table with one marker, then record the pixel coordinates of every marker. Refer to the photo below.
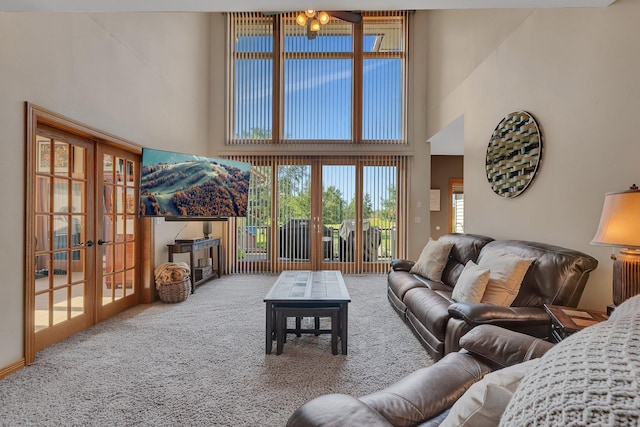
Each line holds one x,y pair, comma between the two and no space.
308,291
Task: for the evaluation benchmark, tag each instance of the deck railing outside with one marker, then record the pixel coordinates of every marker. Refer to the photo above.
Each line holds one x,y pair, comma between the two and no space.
253,245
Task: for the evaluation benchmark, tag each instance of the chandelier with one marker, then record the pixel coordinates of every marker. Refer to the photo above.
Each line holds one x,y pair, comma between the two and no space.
312,19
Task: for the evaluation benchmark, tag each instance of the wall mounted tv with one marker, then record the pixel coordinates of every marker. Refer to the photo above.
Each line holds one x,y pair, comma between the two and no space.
187,187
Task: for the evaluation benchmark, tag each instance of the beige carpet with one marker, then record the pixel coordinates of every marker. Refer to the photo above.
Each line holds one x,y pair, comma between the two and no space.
202,363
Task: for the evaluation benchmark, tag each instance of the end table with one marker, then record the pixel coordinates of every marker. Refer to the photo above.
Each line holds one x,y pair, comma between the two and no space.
568,320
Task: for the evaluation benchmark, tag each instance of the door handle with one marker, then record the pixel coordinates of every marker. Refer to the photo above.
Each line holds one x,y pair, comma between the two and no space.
102,242
89,243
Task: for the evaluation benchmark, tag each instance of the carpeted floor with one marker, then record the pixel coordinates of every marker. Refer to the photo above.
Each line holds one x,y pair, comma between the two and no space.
202,363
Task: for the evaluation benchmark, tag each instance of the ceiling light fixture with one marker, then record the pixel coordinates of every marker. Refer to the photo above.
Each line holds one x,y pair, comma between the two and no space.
312,19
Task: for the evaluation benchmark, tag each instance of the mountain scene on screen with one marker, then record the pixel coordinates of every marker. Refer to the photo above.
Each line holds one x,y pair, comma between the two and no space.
184,185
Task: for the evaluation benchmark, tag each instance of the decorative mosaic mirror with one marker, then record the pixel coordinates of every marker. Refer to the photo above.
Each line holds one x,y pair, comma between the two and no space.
514,154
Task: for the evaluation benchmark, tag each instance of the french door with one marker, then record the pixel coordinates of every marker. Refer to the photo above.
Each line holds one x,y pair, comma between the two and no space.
81,265
116,230
319,213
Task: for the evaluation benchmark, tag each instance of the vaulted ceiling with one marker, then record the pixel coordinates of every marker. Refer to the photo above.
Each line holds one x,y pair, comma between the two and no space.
448,141
278,5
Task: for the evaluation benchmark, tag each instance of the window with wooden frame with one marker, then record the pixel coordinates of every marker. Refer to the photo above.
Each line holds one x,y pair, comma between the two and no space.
347,85
456,198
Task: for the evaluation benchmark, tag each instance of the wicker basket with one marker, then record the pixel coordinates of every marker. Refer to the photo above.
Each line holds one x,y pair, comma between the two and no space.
175,291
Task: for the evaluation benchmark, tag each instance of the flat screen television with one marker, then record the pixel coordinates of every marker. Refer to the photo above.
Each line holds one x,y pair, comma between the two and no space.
181,186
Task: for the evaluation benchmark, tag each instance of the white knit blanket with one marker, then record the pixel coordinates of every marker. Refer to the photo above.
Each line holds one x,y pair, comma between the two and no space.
592,378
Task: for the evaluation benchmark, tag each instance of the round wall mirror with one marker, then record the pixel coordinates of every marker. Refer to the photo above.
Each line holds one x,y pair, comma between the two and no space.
514,154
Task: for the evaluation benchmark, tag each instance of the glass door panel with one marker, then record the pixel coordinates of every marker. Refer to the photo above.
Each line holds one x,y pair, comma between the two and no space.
379,213
118,232
61,258
338,213
294,216
359,206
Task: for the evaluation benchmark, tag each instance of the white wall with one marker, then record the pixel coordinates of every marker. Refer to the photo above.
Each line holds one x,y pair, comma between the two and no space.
142,77
577,71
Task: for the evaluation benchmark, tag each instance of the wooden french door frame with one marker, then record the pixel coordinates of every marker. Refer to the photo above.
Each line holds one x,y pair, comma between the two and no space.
38,116
116,225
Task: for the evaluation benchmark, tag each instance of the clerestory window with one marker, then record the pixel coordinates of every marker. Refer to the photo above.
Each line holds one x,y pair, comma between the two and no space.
346,85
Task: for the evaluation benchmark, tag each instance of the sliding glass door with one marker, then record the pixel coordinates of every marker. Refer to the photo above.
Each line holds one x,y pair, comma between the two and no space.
319,213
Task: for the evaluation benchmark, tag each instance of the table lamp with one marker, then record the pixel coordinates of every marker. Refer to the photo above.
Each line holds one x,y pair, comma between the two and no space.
620,227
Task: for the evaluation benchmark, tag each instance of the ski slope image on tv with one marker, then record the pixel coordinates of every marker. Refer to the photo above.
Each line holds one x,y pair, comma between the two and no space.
189,186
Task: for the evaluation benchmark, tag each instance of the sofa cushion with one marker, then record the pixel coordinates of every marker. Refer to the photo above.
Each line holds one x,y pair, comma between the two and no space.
426,392
471,284
558,275
465,247
589,378
430,308
336,409
432,260
400,282
505,277
485,401
501,347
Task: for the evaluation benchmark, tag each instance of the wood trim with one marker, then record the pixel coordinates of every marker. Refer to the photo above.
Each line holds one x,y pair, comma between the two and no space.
278,81
357,83
147,260
10,369
29,246
44,116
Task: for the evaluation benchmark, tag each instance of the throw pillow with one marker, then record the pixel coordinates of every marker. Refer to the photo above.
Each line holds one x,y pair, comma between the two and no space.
485,401
471,284
507,272
432,260
588,379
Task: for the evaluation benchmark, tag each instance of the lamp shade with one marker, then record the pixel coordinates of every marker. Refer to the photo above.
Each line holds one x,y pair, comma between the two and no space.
620,220
324,17
301,19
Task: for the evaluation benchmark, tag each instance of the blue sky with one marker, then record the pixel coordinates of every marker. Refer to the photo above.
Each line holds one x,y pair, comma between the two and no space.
318,92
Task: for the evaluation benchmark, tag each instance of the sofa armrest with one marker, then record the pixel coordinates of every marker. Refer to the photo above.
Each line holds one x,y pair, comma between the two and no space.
502,347
475,314
335,410
402,264
427,392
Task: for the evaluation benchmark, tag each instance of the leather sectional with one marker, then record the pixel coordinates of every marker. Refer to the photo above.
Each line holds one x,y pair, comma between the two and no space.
424,396
556,276
589,378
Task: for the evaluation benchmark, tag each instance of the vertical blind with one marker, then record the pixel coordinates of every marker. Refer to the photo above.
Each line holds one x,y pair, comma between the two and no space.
346,85
276,235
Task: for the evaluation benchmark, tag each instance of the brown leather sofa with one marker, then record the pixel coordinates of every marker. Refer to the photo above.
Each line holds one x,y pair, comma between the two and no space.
556,276
425,396
589,378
